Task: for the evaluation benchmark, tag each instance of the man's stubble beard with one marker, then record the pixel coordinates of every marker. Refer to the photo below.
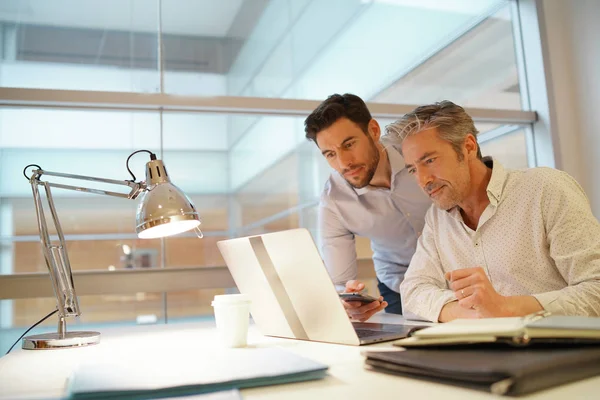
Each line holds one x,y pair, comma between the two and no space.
453,197
371,167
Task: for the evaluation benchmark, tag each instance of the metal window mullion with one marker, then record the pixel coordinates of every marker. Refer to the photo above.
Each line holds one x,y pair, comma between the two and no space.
498,132
523,82
535,82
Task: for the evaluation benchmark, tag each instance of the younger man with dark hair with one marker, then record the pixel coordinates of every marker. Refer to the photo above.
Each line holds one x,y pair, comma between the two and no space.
370,194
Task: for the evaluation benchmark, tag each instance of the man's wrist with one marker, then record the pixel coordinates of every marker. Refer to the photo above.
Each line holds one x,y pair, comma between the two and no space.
517,306
453,310
509,307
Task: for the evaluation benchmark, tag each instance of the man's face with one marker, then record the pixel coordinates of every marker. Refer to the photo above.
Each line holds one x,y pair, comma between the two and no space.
437,168
350,151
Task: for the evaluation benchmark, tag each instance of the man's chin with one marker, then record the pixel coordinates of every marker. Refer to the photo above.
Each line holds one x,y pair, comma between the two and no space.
357,185
444,205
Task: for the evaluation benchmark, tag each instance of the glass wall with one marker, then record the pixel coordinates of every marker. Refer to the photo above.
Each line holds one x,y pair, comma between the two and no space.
246,172
379,50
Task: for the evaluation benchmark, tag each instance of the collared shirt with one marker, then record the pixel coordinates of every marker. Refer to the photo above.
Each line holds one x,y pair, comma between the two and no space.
537,237
391,218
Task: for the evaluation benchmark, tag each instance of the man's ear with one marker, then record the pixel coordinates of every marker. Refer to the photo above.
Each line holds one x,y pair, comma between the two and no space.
374,130
471,146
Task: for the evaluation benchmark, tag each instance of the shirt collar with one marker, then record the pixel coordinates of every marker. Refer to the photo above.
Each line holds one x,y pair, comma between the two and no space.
396,164
496,183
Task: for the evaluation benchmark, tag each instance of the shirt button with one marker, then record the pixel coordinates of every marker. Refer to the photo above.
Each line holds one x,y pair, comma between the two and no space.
476,244
408,214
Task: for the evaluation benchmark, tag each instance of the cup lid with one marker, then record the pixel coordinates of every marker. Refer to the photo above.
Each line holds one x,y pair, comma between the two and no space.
231,299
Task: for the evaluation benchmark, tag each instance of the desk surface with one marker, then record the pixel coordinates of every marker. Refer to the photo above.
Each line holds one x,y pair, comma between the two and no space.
26,374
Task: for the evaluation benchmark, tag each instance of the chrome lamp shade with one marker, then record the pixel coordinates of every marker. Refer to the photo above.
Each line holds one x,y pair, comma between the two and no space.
163,209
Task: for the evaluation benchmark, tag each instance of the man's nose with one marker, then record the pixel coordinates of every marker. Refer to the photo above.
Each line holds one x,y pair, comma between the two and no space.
345,160
423,177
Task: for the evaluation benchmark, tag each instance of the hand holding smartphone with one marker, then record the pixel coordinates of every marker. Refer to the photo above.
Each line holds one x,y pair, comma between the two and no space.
356,296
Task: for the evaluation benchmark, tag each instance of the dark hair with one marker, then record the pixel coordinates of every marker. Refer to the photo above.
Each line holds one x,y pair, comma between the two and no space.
332,109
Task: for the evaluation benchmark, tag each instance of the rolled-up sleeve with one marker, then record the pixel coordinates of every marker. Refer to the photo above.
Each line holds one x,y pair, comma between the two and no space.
424,289
337,244
573,235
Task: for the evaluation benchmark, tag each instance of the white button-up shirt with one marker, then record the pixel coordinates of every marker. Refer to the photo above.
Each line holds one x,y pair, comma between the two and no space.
537,237
391,218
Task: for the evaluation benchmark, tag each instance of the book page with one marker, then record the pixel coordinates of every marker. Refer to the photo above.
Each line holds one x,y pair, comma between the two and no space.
512,326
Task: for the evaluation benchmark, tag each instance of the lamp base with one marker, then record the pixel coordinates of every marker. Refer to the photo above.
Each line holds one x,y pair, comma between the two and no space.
49,341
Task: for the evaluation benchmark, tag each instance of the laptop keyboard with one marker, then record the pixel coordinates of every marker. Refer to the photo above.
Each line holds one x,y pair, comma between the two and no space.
365,333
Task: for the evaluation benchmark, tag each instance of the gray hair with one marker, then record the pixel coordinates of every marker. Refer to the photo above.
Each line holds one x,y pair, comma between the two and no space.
451,120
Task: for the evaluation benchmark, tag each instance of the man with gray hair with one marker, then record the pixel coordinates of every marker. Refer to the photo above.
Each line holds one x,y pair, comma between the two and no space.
497,242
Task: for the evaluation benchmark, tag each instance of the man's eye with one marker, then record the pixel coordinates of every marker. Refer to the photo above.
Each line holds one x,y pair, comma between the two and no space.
329,155
348,145
411,171
429,160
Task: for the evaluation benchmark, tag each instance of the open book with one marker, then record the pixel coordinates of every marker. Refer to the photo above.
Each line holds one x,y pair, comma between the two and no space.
538,327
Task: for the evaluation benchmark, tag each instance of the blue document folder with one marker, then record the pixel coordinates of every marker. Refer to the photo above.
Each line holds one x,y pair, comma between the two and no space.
177,375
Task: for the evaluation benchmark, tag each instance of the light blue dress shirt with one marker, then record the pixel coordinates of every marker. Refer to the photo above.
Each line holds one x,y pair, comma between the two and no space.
391,218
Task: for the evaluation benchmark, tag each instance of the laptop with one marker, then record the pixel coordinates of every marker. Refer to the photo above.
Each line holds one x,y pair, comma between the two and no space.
292,294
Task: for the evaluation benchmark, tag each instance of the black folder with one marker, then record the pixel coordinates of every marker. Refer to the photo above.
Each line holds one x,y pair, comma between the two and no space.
499,370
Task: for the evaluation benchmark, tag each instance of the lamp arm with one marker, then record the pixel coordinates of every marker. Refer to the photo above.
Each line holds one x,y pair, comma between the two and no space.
136,187
55,254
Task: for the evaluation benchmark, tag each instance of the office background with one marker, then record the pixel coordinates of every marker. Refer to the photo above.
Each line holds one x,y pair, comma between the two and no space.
234,80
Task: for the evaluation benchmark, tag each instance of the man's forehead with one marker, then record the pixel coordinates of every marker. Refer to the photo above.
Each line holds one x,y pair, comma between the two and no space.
414,153
422,142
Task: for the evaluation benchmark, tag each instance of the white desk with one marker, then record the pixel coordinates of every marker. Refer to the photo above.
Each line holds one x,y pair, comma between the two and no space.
27,374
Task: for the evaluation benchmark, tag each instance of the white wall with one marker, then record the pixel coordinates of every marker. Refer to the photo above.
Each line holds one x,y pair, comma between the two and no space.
572,31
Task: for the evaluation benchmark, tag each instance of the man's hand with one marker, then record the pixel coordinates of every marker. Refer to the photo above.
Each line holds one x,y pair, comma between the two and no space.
477,298
474,291
357,310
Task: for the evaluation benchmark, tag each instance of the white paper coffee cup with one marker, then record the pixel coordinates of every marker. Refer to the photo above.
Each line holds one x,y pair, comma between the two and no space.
232,312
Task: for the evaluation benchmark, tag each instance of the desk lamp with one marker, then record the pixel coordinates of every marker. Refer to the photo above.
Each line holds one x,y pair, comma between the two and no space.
163,210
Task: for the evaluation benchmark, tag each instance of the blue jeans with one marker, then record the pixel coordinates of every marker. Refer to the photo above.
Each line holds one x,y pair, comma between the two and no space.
392,298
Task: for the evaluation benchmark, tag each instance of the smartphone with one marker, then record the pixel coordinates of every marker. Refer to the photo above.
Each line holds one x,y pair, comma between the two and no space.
355,296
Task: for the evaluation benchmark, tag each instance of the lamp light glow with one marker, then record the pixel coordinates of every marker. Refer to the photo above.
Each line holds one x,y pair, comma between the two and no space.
168,229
